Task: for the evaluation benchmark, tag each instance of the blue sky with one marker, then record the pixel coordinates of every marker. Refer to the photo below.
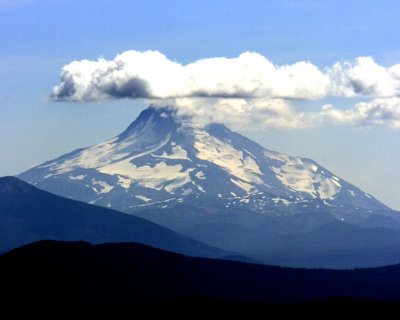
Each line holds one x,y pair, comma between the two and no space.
39,37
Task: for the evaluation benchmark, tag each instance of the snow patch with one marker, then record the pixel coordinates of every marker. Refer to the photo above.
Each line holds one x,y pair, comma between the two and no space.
200,175
94,201
47,165
245,186
157,177
249,153
276,156
178,153
152,203
336,182
143,198
49,175
224,155
200,188
79,177
300,176
104,186
104,154
124,182
328,188
284,201
187,192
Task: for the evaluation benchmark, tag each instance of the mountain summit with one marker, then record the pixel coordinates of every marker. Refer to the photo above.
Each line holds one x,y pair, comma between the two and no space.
162,159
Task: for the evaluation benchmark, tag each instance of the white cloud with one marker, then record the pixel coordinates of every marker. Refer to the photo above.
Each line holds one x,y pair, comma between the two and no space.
252,114
150,74
262,114
364,77
247,92
378,112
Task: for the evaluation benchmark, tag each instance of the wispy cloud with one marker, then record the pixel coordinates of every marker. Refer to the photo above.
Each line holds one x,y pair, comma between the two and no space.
378,112
262,114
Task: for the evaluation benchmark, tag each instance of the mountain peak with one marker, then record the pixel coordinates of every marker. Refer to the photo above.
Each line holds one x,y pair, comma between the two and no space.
163,159
169,118
155,113
161,120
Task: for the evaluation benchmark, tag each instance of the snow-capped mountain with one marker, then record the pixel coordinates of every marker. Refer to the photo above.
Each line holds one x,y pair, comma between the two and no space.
218,187
163,159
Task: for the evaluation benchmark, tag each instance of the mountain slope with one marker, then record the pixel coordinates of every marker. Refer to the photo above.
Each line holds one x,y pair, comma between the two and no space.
28,214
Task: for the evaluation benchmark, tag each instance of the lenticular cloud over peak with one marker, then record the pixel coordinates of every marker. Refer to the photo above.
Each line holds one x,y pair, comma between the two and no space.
248,90
150,74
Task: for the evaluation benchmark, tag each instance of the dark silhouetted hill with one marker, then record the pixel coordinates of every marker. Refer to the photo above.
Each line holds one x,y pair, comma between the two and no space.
64,275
